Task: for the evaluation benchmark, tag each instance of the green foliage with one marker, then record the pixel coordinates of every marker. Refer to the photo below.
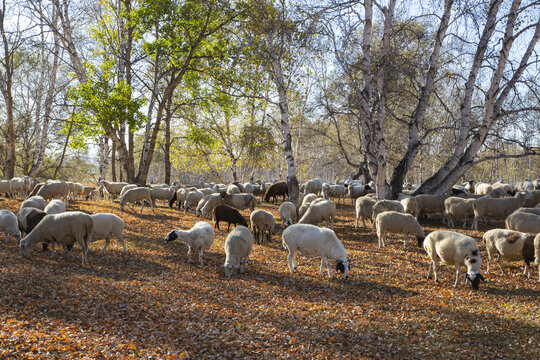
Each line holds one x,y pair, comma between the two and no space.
200,137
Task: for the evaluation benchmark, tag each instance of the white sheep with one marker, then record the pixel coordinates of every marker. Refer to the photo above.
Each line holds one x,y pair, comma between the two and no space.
125,188
382,206
457,208
65,229
509,245
398,223
233,189
141,194
55,207
523,221
240,201
192,200
483,189
454,249
496,208
262,222
308,198
237,247
430,205
162,193
410,205
319,212
311,240
213,201
287,213
9,225
36,201
55,190
364,209
199,238
334,191
114,188
106,225
533,200
313,186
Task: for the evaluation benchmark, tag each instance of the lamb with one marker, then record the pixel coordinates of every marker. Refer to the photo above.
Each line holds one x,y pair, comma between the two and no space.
523,222
55,207
400,223
456,208
279,188
410,205
313,187
287,213
199,238
454,249
233,189
385,205
106,225
8,224
364,209
141,194
114,188
510,245
430,205
192,200
262,222
311,240
240,201
237,246
334,191
228,214
496,208
319,212
28,218
65,228
36,201
55,190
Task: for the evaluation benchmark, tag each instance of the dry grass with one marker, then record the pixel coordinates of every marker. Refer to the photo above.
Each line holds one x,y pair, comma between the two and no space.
153,303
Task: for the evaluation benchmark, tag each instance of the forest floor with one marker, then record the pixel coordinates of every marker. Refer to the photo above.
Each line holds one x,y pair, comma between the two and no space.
152,303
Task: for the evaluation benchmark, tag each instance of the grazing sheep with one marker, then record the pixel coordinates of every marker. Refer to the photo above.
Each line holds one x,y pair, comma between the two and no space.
398,223
233,189
457,208
106,225
55,207
87,190
309,198
454,249
523,222
212,201
483,189
313,187
239,201
8,224
237,246
65,229
334,191
319,212
180,197
311,240
141,194
34,190
356,191
19,186
28,218
287,213
55,190
36,201
228,214
384,205
302,210
275,190
533,200
94,195
114,188
192,200
507,189
509,245
364,209
430,205
126,188
410,205
76,190
262,222
199,238
496,208
162,193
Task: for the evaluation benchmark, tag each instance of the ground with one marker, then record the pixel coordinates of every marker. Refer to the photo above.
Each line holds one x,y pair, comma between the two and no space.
153,303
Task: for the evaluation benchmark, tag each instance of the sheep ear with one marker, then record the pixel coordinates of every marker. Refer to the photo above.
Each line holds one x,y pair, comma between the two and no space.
340,266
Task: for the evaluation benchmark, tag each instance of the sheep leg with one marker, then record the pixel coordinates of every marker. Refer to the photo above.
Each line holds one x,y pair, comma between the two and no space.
328,267
201,253
430,270
142,206
291,261
527,271
458,271
107,239
332,219
190,260
7,236
406,240
321,270
356,223
499,261
122,242
474,224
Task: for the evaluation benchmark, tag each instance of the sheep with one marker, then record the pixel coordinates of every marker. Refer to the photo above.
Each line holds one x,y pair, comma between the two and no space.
384,205
179,196
114,188
459,209
395,222
279,188
228,214
356,191
76,190
308,198
28,218
470,186
262,222
249,188
240,201
55,190
141,194
87,190
496,208
498,193
104,193
364,209
206,191
8,224
534,210
233,189
430,205
311,240
4,187
454,249
527,185
36,201
125,188
237,247
106,225
302,210
483,189
319,212
523,222
536,184
192,200
212,201
19,186
506,188
510,245
161,193
313,187
533,200
65,228
55,207
334,191
219,188
287,213
199,238
410,205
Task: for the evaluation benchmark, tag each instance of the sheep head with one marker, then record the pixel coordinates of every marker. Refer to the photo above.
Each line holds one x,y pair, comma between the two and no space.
173,235
474,279
343,266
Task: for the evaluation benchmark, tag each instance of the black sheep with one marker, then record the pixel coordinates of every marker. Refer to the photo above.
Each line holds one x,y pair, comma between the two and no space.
279,188
228,214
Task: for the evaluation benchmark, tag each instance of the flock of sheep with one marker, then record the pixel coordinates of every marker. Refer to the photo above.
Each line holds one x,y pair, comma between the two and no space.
518,205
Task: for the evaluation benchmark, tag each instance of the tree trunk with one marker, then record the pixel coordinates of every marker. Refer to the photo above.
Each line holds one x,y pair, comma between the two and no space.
113,162
167,150
63,151
103,156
